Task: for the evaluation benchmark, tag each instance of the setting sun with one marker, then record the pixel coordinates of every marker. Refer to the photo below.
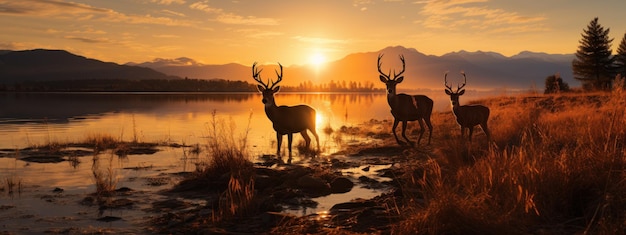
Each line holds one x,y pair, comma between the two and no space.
317,59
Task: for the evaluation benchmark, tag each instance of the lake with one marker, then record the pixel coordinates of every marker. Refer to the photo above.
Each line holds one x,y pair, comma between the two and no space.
40,118
28,119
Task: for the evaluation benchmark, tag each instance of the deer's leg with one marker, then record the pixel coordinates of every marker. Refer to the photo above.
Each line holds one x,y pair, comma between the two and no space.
395,124
279,141
289,139
430,128
421,121
317,138
486,130
471,131
404,132
462,132
307,139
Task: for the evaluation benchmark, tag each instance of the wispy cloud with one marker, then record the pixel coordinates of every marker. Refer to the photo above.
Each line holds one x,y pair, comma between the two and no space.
259,34
88,40
168,2
88,31
46,7
230,18
66,10
476,14
172,13
204,6
245,20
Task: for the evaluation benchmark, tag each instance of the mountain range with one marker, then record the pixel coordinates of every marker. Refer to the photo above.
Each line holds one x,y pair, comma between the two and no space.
485,70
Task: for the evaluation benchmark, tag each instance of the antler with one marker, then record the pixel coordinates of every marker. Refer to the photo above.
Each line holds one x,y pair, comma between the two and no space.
280,76
380,71
403,68
459,87
257,77
256,74
445,80
464,81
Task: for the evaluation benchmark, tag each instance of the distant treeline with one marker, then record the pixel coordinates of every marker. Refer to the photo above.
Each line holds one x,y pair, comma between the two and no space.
171,85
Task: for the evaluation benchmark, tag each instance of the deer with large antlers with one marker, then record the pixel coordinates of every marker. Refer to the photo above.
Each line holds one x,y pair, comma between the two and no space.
467,116
286,119
405,107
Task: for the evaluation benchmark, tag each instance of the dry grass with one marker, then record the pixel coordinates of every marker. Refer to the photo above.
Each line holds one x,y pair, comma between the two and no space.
12,184
101,141
105,179
556,165
228,157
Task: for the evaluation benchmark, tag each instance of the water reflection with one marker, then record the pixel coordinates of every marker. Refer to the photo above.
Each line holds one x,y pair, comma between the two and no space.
40,118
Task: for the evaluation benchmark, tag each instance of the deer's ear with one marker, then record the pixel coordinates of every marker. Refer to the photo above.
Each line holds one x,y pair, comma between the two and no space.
462,92
399,80
276,89
383,78
260,88
448,92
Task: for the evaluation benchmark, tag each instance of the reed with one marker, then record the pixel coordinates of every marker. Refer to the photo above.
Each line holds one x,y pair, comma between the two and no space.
12,185
227,155
105,179
101,141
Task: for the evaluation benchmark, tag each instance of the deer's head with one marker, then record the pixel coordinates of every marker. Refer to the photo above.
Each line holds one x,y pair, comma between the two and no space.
454,95
267,89
389,81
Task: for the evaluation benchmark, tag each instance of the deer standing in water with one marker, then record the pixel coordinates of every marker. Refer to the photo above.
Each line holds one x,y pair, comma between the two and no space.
405,107
286,119
467,116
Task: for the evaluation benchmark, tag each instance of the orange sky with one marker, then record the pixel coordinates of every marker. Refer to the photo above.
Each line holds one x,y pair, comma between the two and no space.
298,32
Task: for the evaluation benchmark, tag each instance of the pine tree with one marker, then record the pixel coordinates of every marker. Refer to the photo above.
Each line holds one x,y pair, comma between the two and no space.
593,65
620,58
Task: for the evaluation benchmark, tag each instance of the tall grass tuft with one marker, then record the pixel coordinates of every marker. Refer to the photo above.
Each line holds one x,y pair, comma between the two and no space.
105,179
101,141
557,164
228,158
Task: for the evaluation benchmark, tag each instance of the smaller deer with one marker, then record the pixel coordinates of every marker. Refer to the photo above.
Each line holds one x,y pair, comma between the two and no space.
467,116
286,119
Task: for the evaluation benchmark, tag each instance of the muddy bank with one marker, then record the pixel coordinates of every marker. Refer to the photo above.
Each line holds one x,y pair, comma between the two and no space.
281,188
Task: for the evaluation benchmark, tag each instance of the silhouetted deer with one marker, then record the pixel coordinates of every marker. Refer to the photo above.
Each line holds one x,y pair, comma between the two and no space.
405,107
467,116
286,119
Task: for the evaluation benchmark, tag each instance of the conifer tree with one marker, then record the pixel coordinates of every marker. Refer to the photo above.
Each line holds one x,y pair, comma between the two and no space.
593,65
620,58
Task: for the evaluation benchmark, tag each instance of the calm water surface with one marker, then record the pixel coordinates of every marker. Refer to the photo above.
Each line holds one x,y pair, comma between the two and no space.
39,118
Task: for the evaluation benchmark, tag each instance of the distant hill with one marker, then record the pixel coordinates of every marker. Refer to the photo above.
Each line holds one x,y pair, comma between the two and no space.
54,65
485,70
186,67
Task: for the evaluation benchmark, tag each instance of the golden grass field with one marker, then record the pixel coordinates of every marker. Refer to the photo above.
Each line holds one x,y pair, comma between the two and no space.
556,166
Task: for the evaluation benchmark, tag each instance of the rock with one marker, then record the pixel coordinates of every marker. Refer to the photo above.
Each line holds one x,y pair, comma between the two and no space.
341,185
313,185
108,218
351,206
